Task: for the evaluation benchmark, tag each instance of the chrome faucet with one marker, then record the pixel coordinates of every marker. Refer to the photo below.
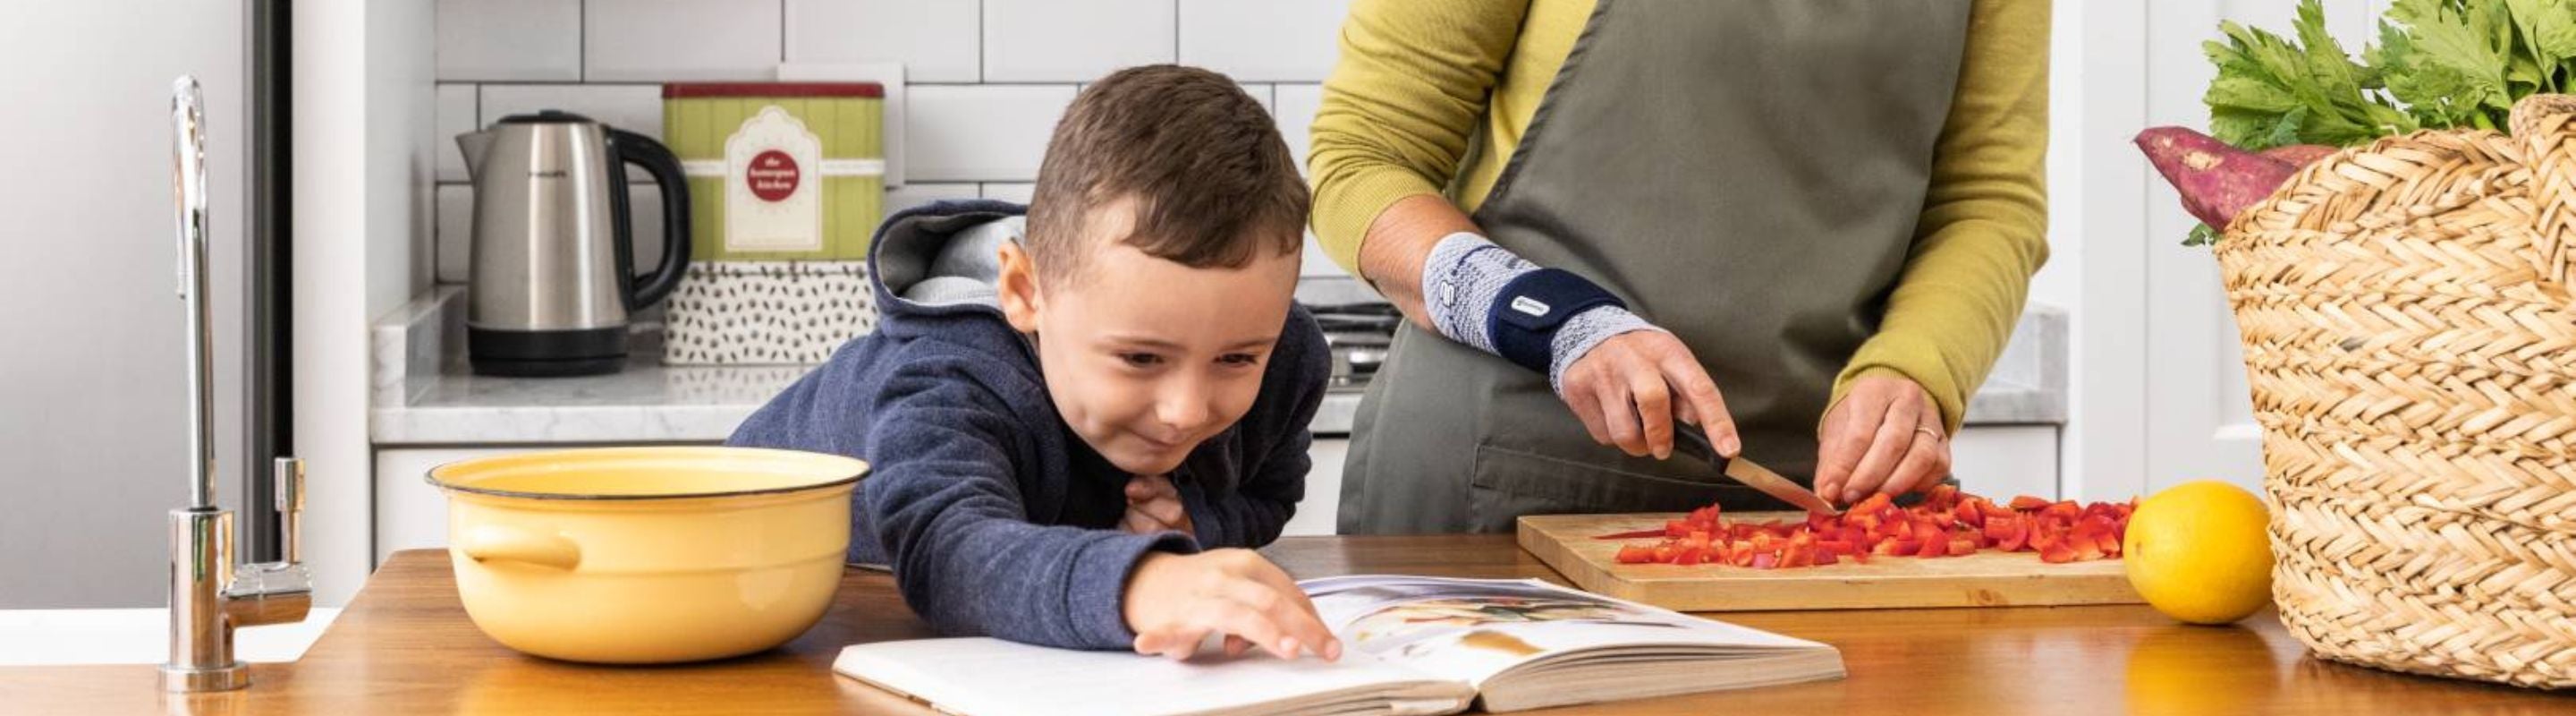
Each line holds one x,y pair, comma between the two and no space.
209,597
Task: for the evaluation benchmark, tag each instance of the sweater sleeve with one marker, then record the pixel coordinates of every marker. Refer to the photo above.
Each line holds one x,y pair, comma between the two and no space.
1985,219
944,500
1399,107
1252,514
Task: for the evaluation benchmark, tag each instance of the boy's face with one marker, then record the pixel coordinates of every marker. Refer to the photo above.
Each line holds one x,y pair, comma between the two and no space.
1145,357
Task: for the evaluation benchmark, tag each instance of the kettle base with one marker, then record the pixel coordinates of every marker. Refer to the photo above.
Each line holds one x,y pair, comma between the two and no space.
546,354
548,368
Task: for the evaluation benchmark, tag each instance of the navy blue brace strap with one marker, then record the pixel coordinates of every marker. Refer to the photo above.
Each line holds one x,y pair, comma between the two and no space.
1526,314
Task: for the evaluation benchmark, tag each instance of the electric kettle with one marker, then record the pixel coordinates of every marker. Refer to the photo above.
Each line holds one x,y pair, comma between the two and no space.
553,248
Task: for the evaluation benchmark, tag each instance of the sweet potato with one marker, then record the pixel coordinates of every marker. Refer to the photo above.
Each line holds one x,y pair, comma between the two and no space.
2216,180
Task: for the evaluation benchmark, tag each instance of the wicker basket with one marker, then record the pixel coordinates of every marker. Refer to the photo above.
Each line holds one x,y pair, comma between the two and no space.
2411,346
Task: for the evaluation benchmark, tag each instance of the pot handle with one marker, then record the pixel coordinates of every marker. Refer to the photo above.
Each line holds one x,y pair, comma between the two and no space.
485,543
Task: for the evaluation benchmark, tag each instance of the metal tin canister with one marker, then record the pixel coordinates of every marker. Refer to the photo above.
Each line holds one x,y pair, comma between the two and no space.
779,171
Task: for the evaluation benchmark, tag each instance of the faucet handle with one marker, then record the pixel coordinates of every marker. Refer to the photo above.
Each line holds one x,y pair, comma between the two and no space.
290,508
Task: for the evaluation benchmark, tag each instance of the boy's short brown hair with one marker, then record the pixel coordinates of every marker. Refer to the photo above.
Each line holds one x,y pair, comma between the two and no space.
1211,182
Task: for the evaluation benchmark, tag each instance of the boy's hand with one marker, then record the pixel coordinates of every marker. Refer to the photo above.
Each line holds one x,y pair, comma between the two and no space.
1174,601
1154,505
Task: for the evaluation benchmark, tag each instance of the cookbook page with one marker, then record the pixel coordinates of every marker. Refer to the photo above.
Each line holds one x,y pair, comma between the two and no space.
989,677
1472,629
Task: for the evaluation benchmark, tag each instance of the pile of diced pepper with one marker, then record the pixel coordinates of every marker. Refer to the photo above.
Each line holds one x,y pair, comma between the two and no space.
1945,523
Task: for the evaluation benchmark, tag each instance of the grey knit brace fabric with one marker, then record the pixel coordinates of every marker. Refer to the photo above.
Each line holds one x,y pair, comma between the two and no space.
1465,273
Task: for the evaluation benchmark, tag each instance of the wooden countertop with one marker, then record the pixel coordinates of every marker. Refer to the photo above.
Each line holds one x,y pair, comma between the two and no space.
404,646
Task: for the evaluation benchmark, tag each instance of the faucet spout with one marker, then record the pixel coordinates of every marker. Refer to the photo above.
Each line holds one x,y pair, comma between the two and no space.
208,599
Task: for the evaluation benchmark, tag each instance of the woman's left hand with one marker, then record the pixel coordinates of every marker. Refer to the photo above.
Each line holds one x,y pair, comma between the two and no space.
1885,436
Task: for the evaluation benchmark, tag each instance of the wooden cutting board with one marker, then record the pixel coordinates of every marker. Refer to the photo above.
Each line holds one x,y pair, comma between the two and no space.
1984,579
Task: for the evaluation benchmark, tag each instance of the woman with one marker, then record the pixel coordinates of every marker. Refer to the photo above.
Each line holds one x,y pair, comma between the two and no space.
1805,225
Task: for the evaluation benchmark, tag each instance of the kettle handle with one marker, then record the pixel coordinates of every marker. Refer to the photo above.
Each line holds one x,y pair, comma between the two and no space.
652,286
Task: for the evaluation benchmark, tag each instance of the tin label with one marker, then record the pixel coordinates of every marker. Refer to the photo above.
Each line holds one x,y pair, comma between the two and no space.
772,203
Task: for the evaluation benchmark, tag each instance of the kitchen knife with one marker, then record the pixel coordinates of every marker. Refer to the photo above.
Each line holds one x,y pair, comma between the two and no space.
1689,440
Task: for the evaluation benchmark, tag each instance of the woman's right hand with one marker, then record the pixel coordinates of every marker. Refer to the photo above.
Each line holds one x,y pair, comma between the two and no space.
1629,389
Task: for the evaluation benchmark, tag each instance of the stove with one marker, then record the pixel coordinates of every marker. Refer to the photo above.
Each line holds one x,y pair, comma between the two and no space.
1358,334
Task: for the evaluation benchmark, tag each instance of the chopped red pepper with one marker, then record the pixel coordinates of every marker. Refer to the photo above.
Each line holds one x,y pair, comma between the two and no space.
1945,523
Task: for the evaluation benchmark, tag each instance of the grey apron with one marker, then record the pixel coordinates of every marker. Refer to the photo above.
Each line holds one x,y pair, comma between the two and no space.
1745,173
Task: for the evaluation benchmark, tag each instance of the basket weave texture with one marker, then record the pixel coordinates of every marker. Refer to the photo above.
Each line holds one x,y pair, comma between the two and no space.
2411,346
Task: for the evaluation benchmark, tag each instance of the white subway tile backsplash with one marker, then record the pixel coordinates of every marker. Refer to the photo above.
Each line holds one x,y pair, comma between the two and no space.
646,202
919,193
1073,40
1262,40
936,40
455,231
1314,262
634,108
1295,109
457,114
1262,94
1017,192
662,40
509,40
981,132
960,139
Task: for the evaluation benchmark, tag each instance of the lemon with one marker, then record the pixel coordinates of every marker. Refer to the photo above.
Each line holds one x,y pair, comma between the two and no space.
2197,552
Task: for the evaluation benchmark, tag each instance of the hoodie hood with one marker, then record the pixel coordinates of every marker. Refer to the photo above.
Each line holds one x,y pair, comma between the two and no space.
940,258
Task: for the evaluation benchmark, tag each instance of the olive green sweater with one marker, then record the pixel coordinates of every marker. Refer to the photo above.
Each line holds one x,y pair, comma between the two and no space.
1431,97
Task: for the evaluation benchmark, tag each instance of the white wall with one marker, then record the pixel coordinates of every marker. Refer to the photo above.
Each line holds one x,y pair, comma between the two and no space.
93,411
362,113
2160,393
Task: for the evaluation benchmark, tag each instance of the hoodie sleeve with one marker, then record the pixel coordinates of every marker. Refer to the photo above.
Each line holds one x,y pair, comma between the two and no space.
945,503
1263,499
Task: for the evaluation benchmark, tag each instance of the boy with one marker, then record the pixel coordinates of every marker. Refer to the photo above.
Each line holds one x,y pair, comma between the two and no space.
1064,427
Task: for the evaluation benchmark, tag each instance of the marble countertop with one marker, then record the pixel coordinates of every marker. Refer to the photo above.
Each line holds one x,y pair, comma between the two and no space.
425,395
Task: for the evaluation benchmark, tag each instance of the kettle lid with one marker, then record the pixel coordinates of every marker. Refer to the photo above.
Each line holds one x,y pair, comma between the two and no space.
548,116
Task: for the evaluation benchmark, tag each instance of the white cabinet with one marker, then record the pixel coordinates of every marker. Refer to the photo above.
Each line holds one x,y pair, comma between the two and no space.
2001,461
410,514
1323,502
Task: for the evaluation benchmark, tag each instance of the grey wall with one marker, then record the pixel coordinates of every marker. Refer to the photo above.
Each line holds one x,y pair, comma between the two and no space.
93,412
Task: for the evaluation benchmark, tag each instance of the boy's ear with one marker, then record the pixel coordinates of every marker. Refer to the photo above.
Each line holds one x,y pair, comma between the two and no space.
1017,287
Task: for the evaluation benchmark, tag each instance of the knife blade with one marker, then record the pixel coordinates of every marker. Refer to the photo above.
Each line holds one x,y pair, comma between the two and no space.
1691,441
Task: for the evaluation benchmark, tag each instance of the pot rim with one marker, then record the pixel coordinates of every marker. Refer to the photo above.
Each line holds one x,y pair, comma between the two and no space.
431,476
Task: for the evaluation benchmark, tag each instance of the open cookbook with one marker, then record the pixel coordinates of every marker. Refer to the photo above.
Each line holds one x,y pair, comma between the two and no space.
1410,645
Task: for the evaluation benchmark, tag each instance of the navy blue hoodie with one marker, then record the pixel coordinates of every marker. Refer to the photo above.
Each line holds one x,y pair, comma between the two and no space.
995,518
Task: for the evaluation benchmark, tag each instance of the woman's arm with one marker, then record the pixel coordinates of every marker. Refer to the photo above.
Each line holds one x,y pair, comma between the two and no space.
1398,111
1983,233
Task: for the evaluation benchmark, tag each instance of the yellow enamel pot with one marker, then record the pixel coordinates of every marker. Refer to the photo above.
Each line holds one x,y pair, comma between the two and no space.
648,555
